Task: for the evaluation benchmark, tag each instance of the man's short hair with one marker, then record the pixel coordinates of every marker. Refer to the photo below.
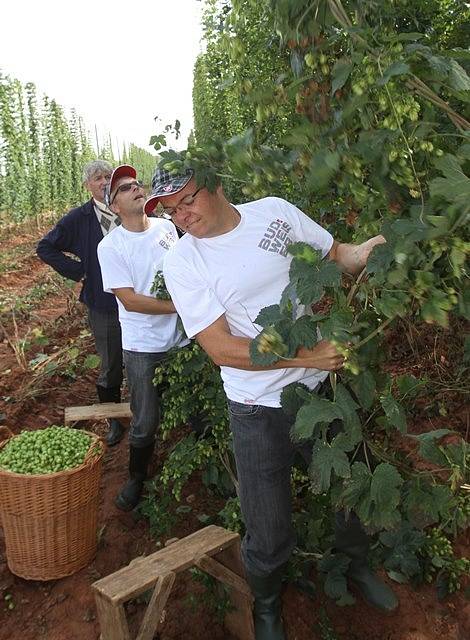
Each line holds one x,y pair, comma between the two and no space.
96,166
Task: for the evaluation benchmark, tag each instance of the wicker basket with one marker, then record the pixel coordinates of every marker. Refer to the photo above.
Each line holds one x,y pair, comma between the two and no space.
50,520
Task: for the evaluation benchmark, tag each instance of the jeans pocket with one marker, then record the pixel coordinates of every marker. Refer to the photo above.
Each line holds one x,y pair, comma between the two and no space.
240,409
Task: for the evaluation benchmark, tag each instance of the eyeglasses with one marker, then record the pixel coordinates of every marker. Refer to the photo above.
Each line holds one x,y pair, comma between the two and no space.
169,212
127,186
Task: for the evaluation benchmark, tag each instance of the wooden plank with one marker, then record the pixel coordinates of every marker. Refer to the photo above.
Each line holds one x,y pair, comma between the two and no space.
112,619
101,411
155,607
223,574
142,574
238,621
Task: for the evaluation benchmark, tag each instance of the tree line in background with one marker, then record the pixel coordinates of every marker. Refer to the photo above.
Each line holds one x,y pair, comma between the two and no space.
42,153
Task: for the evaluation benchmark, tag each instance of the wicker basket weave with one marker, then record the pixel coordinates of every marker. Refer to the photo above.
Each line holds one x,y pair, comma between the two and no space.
50,520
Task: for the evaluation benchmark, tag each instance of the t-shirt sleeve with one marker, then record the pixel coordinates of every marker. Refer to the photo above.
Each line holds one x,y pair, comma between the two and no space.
114,269
195,302
307,230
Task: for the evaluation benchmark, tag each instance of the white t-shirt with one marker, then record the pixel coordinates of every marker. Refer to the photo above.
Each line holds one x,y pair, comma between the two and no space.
131,259
238,274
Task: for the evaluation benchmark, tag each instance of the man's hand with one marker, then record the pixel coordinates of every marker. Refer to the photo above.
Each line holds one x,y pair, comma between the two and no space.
322,356
352,258
366,247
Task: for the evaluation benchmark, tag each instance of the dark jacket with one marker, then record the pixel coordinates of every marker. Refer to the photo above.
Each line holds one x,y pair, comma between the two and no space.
78,233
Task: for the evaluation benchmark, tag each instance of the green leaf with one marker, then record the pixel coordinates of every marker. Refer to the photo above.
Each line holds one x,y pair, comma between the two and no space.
385,494
323,166
73,353
327,458
429,445
393,303
455,187
291,401
435,309
92,361
371,144
403,546
317,411
340,74
381,258
426,504
357,487
395,69
338,326
458,78
409,385
305,252
303,333
394,412
335,567
269,316
413,229
363,386
310,279
352,433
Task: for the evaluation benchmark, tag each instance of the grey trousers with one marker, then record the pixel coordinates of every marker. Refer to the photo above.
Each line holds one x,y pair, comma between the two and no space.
107,334
144,396
264,454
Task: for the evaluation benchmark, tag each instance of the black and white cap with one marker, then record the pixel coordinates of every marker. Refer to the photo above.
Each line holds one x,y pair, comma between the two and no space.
165,183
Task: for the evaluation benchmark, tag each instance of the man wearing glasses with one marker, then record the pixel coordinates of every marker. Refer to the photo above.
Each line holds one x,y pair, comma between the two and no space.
129,257
79,233
231,263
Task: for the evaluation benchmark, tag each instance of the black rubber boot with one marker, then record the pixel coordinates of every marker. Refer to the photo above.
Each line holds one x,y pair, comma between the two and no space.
116,429
139,459
351,539
267,610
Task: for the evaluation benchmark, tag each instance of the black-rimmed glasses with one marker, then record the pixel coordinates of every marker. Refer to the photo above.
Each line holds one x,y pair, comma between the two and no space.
188,200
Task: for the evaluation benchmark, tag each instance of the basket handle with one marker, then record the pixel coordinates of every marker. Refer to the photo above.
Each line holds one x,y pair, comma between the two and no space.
8,433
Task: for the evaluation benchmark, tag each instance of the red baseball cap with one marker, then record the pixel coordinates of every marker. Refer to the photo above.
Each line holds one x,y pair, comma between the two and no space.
123,171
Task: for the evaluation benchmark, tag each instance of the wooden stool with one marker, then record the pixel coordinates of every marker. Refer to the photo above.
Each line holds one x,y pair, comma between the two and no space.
213,549
103,411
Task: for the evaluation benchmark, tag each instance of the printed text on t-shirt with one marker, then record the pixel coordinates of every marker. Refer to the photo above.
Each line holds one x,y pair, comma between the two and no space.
167,241
276,238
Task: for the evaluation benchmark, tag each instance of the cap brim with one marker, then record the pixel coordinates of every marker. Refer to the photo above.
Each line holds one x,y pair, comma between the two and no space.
154,199
123,171
150,204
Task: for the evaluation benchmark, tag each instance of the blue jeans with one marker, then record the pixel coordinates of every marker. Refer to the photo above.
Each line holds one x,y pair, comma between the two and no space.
144,396
264,454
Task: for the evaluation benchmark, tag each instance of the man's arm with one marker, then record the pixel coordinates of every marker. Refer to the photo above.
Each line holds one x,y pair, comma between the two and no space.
139,303
50,249
233,351
352,258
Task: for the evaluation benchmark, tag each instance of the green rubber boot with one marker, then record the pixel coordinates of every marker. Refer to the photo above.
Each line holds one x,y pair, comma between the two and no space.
267,610
351,539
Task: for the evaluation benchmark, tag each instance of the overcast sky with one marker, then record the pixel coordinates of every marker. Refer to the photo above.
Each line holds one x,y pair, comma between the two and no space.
118,63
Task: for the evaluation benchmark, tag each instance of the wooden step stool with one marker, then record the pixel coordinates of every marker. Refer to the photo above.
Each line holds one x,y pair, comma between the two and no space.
102,411
212,549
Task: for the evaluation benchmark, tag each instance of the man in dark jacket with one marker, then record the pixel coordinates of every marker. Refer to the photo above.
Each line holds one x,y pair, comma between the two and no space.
79,233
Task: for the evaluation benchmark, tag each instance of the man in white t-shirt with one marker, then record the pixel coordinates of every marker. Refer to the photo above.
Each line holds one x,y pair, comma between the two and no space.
129,257
231,263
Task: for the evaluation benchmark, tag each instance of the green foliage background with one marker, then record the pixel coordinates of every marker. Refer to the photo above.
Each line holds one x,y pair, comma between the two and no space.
42,153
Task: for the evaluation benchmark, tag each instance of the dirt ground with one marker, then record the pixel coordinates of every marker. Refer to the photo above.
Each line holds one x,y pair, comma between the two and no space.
64,609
